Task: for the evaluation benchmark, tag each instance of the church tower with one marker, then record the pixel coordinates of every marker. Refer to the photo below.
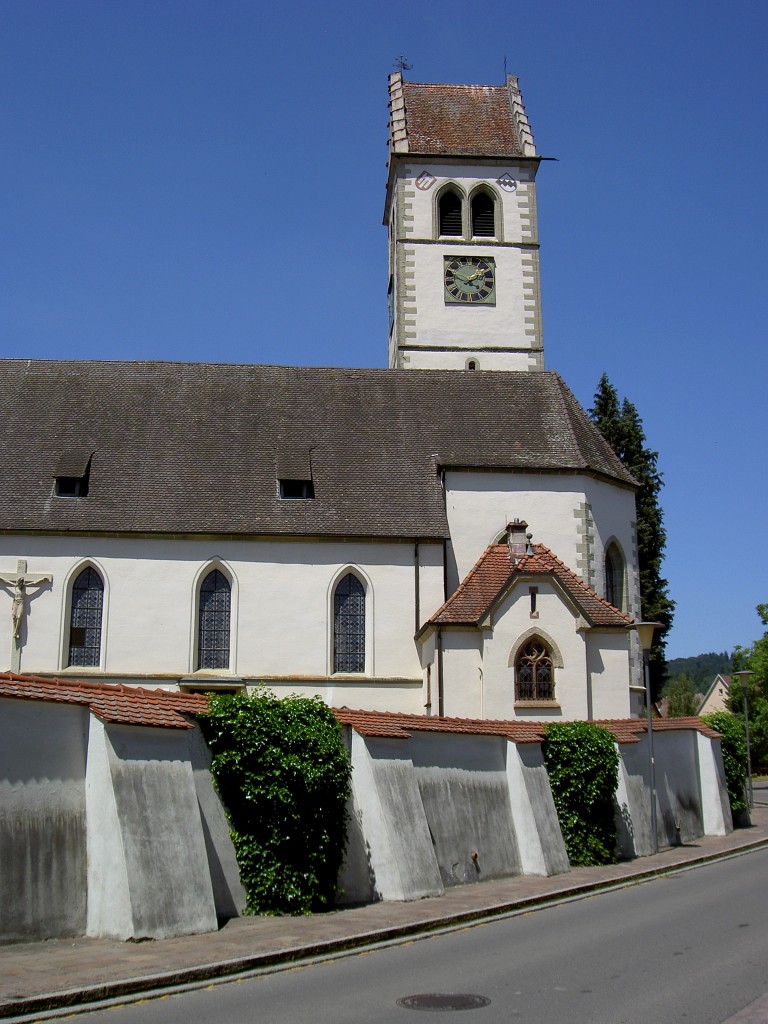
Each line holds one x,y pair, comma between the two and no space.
463,238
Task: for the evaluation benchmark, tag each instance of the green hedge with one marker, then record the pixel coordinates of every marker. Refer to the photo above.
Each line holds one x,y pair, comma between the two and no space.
734,747
283,774
583,768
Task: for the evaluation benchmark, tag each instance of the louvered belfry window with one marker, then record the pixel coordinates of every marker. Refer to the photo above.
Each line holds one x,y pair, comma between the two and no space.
534,679
483,224
85,619
450,213
349,625
215,609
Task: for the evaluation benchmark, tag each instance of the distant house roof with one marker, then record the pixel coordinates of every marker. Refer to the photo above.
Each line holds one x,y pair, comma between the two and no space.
496,570
199,448
128,705
716,696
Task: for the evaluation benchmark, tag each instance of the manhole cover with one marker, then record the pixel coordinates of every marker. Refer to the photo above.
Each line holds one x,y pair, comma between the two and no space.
444,1001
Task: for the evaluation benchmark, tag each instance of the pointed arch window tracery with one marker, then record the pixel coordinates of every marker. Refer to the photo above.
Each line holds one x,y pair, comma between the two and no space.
534,673
349,625
85,619
214,621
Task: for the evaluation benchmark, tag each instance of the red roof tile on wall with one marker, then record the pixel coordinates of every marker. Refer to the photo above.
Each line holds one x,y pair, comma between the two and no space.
125,704
390,725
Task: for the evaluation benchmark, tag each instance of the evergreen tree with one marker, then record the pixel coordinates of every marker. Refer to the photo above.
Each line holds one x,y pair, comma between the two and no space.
621,426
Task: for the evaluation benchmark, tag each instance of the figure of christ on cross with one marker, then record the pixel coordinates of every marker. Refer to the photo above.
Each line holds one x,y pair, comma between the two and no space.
20,580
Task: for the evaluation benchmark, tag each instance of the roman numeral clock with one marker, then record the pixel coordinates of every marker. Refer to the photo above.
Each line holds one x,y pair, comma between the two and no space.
470,279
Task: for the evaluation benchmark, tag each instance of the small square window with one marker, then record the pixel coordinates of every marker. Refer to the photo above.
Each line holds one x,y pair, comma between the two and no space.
293,489
70,487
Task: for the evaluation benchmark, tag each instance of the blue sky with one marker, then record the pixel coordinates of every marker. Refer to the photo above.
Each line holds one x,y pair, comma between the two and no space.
181,179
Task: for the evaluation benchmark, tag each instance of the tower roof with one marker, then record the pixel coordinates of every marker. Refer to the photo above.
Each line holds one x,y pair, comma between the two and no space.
458,120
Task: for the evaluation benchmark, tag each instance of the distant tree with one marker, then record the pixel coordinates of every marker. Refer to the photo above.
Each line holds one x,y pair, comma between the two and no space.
702,668
682,697
754,659
621,426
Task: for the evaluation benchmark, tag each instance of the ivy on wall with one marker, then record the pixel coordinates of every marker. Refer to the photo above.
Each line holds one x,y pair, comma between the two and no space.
283,773
733,744
583,768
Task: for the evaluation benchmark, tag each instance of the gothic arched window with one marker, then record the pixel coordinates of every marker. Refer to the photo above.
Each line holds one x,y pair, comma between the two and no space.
483,215
614,577
85,619
214,621
449,213
534,676
349,625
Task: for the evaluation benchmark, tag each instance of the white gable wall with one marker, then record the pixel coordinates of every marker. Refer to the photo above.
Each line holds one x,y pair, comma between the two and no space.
480,504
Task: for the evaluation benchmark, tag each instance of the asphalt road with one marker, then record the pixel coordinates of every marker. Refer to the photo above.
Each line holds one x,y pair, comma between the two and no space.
690,947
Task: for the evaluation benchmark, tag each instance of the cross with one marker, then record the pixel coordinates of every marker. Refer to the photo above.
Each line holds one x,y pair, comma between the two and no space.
19,581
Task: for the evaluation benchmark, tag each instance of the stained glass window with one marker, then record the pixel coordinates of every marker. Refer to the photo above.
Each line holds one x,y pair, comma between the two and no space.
534,679
214,622
349,625
85,619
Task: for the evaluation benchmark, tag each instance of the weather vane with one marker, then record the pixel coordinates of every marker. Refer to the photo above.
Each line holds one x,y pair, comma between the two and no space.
402,64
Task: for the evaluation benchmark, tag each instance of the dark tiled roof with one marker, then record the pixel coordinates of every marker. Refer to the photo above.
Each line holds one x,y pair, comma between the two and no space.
460,119
125,704
197,447
495,570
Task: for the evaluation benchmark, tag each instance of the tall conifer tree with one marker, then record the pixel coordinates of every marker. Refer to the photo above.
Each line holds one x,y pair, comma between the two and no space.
621,426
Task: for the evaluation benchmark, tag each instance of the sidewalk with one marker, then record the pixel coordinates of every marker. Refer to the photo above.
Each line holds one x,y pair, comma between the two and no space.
60,973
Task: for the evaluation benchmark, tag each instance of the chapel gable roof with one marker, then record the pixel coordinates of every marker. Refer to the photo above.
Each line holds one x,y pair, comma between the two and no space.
127,705
496,570
199,448
461,120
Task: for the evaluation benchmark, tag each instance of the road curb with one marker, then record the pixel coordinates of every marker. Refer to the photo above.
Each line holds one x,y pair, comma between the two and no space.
90,997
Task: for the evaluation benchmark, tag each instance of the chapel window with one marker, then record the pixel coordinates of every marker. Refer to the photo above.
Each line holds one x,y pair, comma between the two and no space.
349,625
214,621
534,677
614,577
449,212
483,216
85,619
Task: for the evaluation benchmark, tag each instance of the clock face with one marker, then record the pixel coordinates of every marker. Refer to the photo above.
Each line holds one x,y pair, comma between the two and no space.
470,279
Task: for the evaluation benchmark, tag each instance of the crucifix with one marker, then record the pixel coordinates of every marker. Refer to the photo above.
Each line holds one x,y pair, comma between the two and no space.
20,580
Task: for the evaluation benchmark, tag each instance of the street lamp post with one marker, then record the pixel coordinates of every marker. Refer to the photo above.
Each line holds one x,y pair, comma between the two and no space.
744,677
645,636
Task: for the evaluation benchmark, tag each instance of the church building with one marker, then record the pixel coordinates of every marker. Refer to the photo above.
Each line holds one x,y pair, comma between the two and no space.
450,535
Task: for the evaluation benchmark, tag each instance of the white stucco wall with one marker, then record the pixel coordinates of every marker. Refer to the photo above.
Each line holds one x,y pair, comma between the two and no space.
282,609
608,694
157,853
42,820
514,320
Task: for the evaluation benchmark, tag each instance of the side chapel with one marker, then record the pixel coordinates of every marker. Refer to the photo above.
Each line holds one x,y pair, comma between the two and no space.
450,535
